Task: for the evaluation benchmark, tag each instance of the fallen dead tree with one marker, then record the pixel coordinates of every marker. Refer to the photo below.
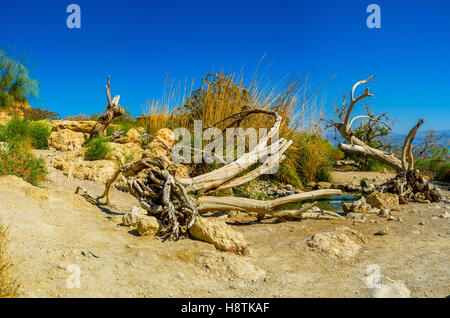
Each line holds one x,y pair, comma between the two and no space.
168,198
409,184
112,111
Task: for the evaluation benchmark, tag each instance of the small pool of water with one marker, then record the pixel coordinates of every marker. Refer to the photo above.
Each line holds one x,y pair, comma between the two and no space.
332,203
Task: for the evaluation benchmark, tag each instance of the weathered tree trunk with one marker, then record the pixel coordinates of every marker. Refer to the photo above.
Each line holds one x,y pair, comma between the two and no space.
409,183
112,111
168,198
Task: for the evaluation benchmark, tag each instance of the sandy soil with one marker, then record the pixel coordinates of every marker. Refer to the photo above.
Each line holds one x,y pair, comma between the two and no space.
47,235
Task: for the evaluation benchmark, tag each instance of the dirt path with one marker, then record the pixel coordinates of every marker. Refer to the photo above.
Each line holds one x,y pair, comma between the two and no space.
50,229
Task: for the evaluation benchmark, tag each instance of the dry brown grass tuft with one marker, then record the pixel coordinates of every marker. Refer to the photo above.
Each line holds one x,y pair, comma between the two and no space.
9,286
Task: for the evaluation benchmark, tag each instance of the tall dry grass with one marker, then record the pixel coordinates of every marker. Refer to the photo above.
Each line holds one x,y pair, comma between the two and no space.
221,95
9,286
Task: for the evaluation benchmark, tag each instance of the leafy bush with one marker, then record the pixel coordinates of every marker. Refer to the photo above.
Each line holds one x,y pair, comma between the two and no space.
38,114
443,172
9,286
39,132
36,131
17,159
15,82
315,158
97,149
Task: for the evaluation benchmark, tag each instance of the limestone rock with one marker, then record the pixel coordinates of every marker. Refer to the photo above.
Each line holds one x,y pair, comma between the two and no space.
66,140
223,264
148,225
219,234
341,242
74,166
83,126
384,200
353,187
445,215
359,206
323,185
28,190
132,218
132,136
162,144
124,153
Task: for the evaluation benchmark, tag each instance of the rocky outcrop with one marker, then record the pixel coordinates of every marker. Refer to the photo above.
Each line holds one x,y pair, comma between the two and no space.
384,200
73,165
82,126
219,234
66,140
341,242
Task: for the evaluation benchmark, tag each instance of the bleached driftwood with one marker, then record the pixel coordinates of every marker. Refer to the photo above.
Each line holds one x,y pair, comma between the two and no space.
168,199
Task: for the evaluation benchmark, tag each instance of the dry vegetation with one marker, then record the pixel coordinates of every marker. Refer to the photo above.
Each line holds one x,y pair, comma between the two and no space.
9,286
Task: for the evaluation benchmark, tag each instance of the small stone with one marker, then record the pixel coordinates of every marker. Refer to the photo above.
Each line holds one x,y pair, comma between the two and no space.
422,222
373,221
61,266
89,254
383,231
445,215
180,274
384,212
148,225
390,218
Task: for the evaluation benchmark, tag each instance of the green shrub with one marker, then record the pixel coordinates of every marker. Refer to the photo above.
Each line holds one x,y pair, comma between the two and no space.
97,149
363,182
18,160
39,132
36,131
325,174
443,172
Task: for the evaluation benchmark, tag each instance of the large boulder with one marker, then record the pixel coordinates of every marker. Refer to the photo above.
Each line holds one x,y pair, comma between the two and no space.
384,200
83,126
219,234
341,242
66,140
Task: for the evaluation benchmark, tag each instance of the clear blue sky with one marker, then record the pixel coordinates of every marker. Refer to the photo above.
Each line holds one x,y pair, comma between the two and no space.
141,42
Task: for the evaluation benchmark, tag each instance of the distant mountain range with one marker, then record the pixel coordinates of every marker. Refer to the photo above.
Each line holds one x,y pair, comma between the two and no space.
395,138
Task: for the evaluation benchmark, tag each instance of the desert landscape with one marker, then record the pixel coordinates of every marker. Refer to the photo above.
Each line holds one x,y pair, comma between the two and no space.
237,186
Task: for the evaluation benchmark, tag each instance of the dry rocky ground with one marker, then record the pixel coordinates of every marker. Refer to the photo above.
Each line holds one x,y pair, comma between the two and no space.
53,228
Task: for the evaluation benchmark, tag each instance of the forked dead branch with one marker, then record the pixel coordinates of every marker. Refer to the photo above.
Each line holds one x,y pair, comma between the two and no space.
409,183
112,111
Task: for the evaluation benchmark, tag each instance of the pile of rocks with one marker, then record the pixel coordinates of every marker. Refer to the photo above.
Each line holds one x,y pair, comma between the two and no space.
376,203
